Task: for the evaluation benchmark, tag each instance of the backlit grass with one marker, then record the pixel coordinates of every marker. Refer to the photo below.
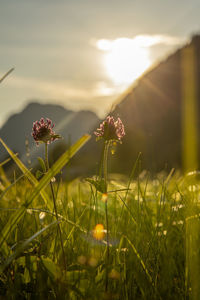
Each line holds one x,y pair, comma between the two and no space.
153,239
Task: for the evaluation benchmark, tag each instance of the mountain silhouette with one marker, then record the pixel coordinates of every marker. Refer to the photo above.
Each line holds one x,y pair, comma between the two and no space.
69,124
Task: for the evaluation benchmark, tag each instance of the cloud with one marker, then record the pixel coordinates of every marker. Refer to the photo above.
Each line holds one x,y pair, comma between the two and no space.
151,40
143,41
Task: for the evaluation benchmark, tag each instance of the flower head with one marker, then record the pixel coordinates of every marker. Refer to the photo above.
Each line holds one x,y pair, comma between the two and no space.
111,129
43,131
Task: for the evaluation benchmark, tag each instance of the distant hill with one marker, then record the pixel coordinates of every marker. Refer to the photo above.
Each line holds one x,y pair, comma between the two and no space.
152,111
71,125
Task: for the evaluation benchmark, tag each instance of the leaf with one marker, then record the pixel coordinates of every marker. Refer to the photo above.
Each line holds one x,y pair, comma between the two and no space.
42,164
99,184
58,165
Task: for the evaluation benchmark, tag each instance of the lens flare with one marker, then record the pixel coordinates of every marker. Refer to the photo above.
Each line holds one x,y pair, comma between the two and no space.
99,232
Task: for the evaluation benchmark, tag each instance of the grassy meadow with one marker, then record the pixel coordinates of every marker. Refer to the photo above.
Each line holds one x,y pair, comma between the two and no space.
73,240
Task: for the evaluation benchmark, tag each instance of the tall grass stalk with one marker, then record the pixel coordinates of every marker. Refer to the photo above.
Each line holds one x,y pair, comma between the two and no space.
105,173
55,207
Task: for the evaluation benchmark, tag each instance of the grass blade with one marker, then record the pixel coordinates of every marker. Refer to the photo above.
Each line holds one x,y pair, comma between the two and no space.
10,186
58,165
139,259
28,174
5,75
5,162
24,245
128,209
132,174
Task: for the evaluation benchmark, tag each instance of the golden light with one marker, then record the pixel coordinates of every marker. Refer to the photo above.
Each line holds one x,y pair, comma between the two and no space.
99,232
104,197
125,59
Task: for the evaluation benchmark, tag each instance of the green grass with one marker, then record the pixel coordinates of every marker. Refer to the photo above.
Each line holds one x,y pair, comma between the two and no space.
153,236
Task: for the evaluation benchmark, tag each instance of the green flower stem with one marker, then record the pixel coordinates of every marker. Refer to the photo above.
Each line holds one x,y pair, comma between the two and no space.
46,157
105,174
54,203
105,163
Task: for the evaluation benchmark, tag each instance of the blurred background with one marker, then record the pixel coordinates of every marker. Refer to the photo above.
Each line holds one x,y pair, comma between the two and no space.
77,61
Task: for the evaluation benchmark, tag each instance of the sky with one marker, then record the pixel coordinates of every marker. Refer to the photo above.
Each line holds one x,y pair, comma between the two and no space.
83,54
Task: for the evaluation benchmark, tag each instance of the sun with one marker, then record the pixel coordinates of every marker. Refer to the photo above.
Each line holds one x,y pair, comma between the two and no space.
125,59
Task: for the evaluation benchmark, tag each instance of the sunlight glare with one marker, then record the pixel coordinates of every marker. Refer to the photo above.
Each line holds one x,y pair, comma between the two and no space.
104,45
125,59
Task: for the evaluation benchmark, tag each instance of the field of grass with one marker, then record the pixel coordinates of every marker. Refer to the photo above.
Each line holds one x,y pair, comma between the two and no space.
56,242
